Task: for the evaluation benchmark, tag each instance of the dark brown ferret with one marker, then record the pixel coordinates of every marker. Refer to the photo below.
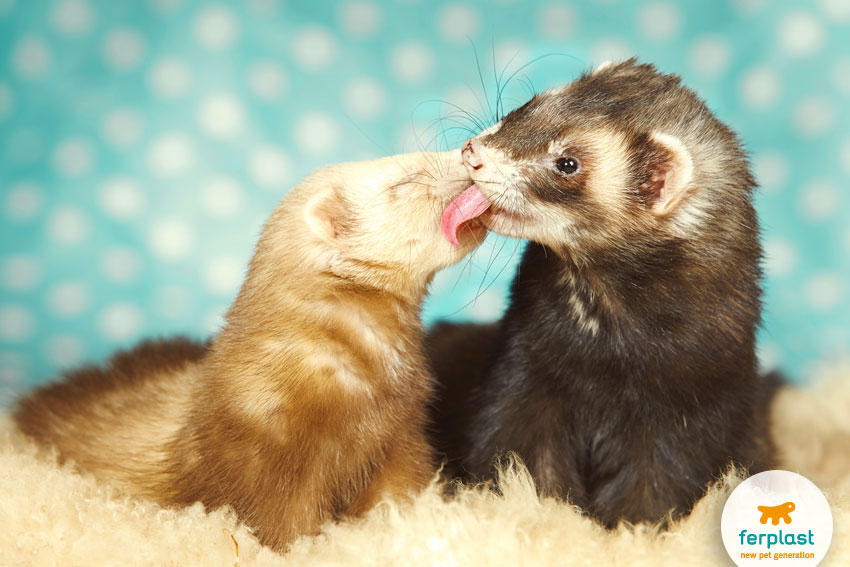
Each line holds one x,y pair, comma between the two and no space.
624,371
310,403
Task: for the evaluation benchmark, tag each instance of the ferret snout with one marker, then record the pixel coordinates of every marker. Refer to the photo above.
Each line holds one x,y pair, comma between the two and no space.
472,155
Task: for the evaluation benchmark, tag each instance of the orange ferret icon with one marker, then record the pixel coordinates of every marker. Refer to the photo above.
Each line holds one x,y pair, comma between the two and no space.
775,513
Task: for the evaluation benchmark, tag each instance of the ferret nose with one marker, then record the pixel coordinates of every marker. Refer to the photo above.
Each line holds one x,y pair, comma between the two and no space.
471,155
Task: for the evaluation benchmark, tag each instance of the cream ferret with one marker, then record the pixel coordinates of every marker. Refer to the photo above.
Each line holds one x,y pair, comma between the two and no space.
310,403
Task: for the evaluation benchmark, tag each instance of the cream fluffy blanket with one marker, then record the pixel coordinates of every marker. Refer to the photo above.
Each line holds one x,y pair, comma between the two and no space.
52,516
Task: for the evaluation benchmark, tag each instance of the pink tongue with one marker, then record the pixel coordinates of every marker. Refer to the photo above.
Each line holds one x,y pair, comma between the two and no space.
465,207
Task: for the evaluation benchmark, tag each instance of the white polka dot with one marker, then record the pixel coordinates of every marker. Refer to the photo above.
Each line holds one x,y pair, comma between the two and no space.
841,75
411,63
123,49
825,291
223,275
361,19
121,198
25,146
170,239
65,350
120,322
364,98
6,101
122,127
68,299
222,196
172,301
780,257
267,80
68,226
170,78
819,200
215,321
813,116
167,5
216,28
557,21
748,7
760,88
171,154
316,133
800,34
488,306
509,56
270,168
31,57
461,99
610,49
73,157
313,48
20,273
457,23
73,17
445,280
836,10
845,155
120,265
16,323
24,201
221,116
769,357
771,169
710,55
659,21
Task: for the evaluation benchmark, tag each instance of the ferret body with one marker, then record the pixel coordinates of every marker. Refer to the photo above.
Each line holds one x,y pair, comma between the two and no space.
309,405
624,371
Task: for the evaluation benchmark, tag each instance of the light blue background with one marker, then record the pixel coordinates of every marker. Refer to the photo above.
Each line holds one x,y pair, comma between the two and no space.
142,144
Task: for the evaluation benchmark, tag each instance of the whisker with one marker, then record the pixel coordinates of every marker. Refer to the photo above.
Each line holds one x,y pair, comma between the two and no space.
483,85
496,78
457,108
540,58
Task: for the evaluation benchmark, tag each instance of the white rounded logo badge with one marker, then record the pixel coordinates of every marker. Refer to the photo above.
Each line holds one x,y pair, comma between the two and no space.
774,516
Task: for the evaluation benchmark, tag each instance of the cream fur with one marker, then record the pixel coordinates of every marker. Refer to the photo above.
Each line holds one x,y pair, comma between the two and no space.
52,516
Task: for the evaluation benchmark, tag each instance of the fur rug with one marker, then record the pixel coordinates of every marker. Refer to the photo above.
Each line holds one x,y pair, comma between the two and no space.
52,516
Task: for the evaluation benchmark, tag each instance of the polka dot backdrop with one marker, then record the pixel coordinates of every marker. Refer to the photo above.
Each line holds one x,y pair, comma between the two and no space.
143,142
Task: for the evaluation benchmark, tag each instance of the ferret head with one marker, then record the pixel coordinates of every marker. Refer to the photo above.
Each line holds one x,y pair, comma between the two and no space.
378,222
622,154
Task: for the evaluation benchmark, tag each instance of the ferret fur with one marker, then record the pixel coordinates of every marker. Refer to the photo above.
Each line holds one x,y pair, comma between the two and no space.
309,405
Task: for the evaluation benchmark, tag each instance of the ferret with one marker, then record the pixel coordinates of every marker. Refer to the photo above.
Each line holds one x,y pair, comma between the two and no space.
310,404
624,371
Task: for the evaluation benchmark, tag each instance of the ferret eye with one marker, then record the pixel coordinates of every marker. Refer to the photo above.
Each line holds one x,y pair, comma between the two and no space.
566,165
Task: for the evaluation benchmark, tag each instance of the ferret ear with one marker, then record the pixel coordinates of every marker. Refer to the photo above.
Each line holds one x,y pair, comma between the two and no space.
325,215
669,171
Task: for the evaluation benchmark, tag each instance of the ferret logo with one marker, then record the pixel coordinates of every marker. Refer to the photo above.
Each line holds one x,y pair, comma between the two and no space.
776,513
757,525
